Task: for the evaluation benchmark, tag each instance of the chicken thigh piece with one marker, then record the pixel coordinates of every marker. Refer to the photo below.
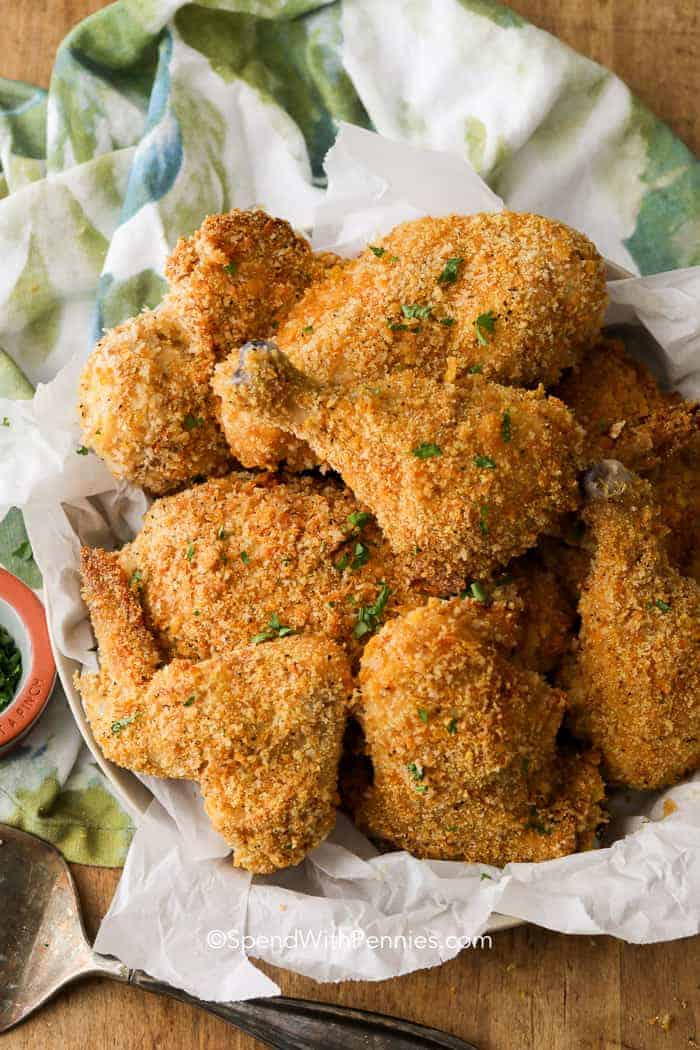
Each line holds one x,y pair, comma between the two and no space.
217,564
259,729
623,411
461,476
517,297
145,403
634,688
462,744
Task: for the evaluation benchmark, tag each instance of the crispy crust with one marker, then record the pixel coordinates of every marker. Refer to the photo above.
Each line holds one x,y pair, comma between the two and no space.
293,532
260,729
635,684
145,403
462,743
446,513
622,410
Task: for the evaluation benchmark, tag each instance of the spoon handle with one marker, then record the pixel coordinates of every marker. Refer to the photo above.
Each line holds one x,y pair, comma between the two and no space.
297,1024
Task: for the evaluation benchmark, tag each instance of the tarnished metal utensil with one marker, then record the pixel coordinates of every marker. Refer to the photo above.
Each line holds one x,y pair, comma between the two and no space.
43,947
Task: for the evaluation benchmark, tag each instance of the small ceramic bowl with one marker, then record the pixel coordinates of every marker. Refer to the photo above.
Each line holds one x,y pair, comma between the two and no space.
22,614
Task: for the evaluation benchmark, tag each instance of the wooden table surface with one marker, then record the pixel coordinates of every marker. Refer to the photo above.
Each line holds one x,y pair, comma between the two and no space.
533,990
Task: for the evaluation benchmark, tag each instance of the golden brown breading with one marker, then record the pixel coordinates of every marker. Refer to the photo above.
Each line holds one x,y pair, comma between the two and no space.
546,625
145,403
462,477
215,563
516,296
676,486
635,686
462,743
234,279
238,274
569,563
260,729
625,414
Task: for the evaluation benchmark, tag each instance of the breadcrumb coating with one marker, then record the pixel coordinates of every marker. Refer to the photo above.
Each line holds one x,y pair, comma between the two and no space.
215,563
462,744
461,476
145,403
634,687
676,488
259,729
625,415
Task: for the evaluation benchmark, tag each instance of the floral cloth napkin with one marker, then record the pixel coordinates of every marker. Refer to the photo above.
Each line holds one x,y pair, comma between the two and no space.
142,134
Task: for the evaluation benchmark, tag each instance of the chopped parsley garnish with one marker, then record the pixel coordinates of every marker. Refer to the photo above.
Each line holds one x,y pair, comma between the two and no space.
274,629
6,422
82,451
503,581
398,326
416,773
122,723
426,450
506,430
484,520
661,605
450,270
423,714
221,534
447,320
477,592
24,551
231,268
484,876
475,370
342,563
484,326
369,616
421,313
307,330
10,667
358,519
189,701
377,251
189,553
245,557
452,726
484,463
360,556
136,578
191,422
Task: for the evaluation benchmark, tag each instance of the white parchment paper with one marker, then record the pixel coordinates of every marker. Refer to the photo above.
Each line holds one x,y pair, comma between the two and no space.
181,911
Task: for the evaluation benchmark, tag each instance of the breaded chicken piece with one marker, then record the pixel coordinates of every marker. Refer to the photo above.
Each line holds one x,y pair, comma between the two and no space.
517,297
216,564
237,276
676,487
570,564
145,403
546,625
259,729
624,413
461,476
634,689
462,743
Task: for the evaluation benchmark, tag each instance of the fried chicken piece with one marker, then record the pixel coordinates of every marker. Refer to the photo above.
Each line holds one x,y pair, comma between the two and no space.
676,487
461,477
462,743
570,564
145,404
516,296
634,688
260,729
624,413
215,564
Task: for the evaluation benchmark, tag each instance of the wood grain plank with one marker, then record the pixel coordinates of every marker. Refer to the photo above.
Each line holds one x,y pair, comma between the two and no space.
534,990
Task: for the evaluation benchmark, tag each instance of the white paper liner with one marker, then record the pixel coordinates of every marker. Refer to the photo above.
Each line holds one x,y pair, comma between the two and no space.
181,911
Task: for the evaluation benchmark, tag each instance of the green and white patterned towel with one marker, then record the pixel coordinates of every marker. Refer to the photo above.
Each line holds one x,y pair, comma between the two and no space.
142,133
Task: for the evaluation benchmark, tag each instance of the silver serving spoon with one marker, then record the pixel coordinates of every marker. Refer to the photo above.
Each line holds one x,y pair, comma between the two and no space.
43,947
